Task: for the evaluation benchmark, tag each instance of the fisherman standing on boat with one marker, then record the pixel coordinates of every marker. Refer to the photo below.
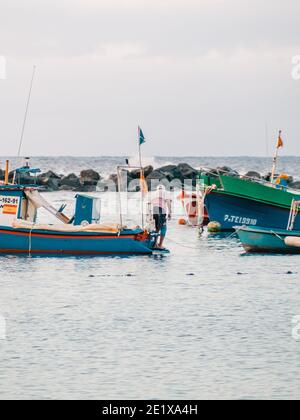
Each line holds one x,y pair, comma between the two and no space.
162,211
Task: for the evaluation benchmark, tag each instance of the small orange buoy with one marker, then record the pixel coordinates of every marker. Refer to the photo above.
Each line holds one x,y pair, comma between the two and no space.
182,222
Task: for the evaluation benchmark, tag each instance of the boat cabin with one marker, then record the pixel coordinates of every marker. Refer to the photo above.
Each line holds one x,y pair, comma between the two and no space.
18,202
14,204
87,210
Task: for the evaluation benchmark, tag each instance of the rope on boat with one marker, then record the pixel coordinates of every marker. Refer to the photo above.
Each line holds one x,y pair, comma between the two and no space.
235,232
30,241
278,236
201,209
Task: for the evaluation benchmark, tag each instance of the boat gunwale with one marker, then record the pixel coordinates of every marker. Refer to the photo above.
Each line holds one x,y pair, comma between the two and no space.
267,231
125,234
260,182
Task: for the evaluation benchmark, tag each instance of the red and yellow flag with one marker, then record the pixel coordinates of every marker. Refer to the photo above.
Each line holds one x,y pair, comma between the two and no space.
10,209
143,183
279,141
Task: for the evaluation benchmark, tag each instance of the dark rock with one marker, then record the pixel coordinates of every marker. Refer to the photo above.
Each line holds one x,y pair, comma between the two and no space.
157,175
186,171
147,170
171,172
267,177
136,173
89,177
227,170
50,180
24,179
295,185
50,184
50,174
155,178
253,174
70,180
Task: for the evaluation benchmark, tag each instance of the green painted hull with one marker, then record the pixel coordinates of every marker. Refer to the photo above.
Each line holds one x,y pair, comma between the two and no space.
252,190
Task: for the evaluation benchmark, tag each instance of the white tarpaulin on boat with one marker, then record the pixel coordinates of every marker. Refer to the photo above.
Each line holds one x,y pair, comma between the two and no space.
38,201
109,228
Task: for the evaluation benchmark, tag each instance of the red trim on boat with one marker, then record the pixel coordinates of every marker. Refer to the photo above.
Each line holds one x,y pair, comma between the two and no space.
47,235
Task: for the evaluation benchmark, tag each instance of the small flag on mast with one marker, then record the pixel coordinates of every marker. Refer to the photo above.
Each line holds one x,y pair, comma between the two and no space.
278,146
141,136
280,141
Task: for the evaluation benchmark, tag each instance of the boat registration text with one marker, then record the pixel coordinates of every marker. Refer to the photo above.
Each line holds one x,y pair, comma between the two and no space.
240,220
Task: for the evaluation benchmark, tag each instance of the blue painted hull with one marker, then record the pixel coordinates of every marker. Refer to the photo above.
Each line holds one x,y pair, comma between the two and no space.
231,211
267,240
22,241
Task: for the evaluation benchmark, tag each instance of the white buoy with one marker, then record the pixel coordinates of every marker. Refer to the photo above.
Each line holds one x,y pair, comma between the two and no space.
292,241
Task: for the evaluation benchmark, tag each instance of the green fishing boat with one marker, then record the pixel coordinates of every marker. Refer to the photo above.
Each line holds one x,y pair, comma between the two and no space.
233,200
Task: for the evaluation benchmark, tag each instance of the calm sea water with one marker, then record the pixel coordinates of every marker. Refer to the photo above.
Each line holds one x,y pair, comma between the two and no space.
205,321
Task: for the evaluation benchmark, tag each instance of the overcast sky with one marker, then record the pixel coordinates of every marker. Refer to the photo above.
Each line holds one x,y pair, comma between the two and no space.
202,77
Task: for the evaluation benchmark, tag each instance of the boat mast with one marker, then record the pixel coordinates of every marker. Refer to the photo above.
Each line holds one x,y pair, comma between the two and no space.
26,111
25,117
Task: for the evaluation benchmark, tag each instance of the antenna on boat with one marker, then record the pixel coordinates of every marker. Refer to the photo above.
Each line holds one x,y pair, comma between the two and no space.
26,111
25,116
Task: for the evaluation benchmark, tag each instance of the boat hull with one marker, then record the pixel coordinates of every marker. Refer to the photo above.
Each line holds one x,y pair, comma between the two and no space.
260,240
24,241
231,211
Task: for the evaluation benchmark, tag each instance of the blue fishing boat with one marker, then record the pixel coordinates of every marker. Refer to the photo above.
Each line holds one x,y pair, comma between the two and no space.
20,233
239,201
267,240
